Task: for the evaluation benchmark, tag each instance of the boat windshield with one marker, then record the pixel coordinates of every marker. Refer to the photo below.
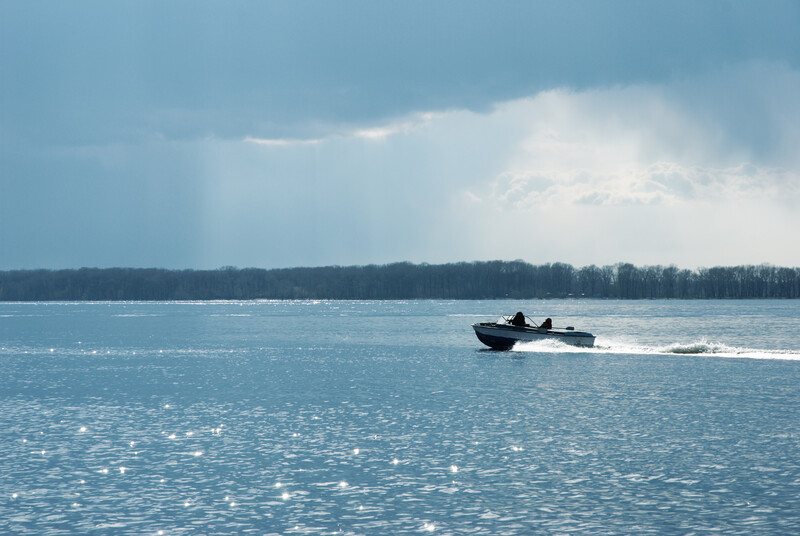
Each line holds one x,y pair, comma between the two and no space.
510,318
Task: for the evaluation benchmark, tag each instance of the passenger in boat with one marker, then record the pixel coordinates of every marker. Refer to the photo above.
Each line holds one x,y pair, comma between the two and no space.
518,320
547,324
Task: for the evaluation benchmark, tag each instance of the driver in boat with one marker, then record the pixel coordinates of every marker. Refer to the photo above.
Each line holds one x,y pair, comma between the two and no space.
519,320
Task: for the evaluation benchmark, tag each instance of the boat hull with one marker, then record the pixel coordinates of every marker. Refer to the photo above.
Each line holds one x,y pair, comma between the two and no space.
504,336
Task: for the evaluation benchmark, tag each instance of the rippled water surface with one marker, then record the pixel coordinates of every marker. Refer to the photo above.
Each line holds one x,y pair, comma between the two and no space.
391,418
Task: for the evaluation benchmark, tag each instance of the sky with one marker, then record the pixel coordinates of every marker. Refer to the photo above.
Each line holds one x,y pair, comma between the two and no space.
201,134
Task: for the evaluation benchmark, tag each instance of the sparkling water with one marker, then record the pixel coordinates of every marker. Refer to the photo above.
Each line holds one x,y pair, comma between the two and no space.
391,418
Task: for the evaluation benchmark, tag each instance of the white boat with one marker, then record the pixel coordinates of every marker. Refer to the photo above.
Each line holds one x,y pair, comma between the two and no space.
508,330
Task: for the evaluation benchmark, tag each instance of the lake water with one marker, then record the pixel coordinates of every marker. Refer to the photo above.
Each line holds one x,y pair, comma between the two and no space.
390,418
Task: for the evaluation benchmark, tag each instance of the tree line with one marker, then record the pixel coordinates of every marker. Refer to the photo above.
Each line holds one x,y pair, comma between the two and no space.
464,280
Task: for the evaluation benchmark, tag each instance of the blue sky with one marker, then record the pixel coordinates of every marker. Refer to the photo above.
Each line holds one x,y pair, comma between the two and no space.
273,134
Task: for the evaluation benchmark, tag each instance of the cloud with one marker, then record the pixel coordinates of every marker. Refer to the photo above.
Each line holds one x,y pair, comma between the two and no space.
88,72
653,145
405,126
281,142
646,173
666,183
382,131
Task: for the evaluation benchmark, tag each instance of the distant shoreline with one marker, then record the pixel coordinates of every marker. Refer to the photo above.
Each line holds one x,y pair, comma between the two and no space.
404,281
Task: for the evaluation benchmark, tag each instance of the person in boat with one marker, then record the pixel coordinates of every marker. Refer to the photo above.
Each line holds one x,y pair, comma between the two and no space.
518,320
547,324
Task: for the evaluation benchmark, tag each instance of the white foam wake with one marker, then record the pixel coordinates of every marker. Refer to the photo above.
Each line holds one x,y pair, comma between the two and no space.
701,347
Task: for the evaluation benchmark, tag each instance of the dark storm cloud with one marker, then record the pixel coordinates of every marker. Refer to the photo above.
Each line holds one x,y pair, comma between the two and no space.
82,72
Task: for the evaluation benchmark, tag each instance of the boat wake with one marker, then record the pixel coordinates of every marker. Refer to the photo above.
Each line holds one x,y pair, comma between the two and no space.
702,348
